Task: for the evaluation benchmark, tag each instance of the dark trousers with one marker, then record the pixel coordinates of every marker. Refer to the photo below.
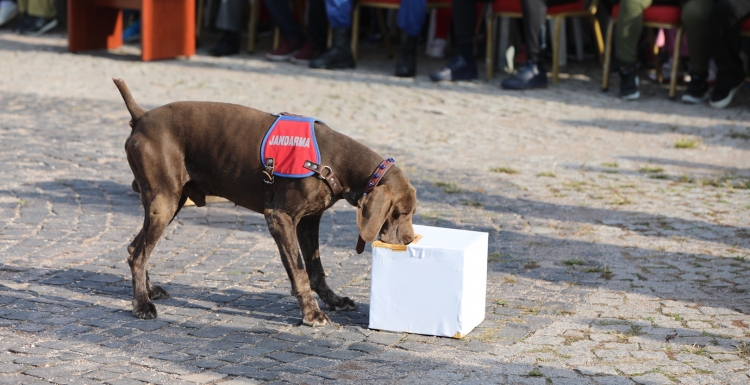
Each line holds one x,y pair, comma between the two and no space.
534,13
281,15
725,24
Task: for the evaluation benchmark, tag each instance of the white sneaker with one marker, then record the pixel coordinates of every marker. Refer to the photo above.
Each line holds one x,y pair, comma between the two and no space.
8,10
436,48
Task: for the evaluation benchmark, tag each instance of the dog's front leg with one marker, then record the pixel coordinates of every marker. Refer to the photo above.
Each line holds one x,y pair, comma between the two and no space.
308,235
282,228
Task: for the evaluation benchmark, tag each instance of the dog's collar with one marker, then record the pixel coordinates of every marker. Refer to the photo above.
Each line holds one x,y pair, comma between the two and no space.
377,175
375,178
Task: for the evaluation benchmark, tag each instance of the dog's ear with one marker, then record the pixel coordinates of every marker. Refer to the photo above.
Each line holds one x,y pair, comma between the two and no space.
372,212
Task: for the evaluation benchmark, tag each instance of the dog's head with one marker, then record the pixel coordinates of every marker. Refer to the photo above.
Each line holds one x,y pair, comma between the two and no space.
387,212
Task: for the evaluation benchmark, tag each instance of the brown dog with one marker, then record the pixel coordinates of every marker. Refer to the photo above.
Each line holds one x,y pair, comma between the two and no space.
192,149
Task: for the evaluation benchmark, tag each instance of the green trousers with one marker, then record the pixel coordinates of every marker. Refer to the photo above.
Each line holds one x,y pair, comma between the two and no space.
38,8
696,21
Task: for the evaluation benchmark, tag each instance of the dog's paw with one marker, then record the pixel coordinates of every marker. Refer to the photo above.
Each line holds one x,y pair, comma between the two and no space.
144,310
316,319
342,304
157,292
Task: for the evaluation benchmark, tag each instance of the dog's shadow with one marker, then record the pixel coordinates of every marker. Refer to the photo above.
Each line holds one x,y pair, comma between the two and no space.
243,307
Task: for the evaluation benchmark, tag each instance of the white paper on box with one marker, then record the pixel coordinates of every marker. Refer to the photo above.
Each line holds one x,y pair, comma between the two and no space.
436,287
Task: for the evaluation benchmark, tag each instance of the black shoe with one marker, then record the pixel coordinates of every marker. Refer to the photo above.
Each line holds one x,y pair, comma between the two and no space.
21,24
721,98
459,68
228,44
39,25
697,89
629,84
339,56
529,76
406,65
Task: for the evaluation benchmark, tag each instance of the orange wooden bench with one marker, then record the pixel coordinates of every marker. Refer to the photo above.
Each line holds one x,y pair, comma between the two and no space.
167,26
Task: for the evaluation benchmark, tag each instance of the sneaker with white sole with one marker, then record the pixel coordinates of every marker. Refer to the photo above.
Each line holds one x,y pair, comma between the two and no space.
697,89
39,25
722,98
8,10
629,84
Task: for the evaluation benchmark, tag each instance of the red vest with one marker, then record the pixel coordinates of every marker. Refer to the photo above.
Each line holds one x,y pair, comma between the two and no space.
290,142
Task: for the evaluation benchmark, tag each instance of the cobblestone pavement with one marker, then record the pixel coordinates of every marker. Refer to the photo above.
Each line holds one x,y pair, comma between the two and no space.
619,232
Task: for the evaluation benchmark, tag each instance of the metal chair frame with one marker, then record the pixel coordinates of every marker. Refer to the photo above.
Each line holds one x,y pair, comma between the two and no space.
380,6
558,18
657,65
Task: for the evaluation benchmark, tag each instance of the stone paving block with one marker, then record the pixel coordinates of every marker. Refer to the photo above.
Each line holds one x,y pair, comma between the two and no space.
613,380
203,377
520,380
416,346
652,378
365,347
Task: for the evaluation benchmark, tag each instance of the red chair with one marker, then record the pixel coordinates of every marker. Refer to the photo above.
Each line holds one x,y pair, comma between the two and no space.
655,16
167,26
558,13
380,5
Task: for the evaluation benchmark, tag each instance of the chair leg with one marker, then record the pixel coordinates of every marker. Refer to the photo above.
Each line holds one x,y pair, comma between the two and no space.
199,19
355,31
598,37
384,33
276,37
655,54
608,55
254,9
556,49
675,64
490,54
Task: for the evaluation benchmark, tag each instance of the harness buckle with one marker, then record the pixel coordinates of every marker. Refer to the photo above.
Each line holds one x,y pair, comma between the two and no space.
320,174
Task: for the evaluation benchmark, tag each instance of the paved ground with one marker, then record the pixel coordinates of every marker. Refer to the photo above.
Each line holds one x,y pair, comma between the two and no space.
616,257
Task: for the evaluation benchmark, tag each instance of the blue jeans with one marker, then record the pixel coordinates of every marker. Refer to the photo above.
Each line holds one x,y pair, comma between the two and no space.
411,14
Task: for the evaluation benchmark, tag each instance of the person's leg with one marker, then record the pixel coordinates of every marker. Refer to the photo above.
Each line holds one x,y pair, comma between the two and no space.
340,55
280,12
627,32
8,10
41,15
730,74
339,13
317,23
410,18
282,16
462,66
533,74
317,33
42,8
230,19
696,19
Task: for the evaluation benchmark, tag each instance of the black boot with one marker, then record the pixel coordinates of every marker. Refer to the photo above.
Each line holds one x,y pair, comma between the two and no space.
228,44
406,64
340,53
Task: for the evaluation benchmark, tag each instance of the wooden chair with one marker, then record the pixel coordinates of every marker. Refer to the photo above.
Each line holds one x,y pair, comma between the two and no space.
380,5
558,13
167,26
655,16
299,6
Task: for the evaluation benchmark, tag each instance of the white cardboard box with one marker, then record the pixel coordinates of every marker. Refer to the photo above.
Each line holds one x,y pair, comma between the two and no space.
437,286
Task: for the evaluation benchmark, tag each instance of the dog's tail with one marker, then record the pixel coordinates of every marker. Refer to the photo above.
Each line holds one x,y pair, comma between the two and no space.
135,111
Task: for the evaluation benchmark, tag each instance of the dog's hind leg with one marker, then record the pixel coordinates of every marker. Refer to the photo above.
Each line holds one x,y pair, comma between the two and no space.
308,237
159,209
282,228
157,292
